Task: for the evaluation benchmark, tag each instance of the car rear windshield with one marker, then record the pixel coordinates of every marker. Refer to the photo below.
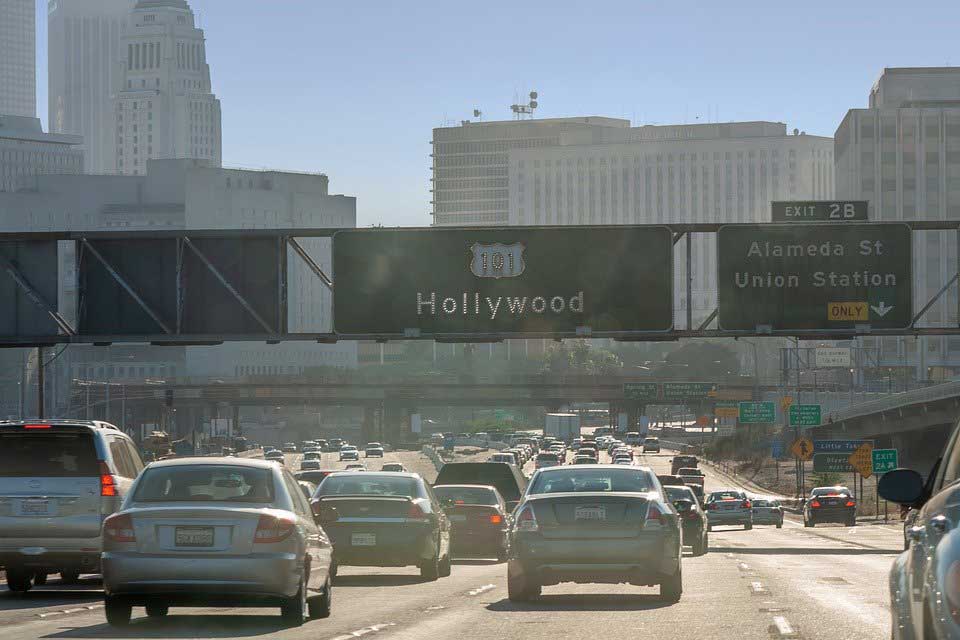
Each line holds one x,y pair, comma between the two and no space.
369,484
651,441
678,493
725,495
466,495
549,457
48,454
493,474
603,479
689,471
205,483
313,476
832,491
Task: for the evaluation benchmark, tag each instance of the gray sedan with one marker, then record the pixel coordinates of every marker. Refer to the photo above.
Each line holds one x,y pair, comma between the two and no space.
215,532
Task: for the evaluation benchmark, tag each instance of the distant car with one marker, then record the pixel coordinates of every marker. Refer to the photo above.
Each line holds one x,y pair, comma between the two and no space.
691,475
373,450
594,523
546,459
651,445
681,462
384,520
479,519
394,467
274,456
289,447
729,507
632,438
830,504
349,452
676,481
506,478
311,455
622,459
309,465
767,510
578,459
588,452
355,467
692,518
508,458
218,531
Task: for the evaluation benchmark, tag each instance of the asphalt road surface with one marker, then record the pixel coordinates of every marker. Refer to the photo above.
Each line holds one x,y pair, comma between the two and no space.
826,583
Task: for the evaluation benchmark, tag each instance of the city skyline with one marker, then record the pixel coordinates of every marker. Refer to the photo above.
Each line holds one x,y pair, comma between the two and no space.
373,138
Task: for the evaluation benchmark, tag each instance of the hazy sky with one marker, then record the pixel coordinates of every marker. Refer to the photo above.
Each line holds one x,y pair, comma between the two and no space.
353,88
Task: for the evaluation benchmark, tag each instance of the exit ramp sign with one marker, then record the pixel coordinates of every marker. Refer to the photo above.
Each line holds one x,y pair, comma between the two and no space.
819,211
815,277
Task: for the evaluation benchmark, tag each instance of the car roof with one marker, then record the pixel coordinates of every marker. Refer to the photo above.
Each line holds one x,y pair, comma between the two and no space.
584,467
466,486
214,461
391,474
94,424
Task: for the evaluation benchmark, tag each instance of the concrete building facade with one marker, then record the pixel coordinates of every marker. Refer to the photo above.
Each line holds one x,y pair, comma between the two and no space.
164,107
902,154
26,151
83,50
18,55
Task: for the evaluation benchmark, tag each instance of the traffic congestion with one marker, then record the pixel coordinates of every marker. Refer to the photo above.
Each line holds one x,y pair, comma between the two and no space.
504,530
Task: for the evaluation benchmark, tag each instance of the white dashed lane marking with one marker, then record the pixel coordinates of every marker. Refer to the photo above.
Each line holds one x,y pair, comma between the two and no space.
479,590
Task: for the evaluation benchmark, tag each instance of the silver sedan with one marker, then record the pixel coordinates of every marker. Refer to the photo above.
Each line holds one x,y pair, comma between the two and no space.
215,532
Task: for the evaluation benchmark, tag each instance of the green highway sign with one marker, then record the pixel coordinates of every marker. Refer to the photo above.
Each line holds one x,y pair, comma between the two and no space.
832,463
814,276
687,391
757,412
885,460
819,211
641,391
805,415
506,282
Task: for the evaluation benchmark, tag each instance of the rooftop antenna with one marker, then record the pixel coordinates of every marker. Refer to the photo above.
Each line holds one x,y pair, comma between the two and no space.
520,110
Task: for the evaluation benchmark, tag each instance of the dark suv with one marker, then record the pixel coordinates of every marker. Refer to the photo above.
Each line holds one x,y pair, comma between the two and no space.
680,462
830,504
506,478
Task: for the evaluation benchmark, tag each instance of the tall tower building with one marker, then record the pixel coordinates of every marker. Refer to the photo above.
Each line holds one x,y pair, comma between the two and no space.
165,107
18,66
83,49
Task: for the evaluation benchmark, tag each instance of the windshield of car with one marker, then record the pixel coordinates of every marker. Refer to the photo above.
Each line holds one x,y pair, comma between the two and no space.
593,479
369,484
466,495
205,483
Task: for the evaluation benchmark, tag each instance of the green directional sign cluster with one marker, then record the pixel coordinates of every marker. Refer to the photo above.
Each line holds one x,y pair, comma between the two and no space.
832,463
687,391
885,460
757,412
805,415
641,391
814,276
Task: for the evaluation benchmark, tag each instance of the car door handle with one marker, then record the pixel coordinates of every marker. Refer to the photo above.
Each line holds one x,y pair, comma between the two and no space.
940,524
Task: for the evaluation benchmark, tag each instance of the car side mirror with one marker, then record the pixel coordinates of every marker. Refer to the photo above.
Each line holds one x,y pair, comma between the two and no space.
903,486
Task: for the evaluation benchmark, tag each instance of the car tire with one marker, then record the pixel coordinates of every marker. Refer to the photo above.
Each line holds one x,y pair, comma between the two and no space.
69,577
320,606
430,569
519,589
19,580
446,566
748,526
852,522
780,524
294,610
157,610
671,589
502,554
118,611
40,578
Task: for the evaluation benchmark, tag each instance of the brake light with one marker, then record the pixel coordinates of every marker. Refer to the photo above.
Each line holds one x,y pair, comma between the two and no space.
851,503
36,426
527,520
459,502
415,512
655,514
815,504
273,529
747,505
108,484
119,528
496,518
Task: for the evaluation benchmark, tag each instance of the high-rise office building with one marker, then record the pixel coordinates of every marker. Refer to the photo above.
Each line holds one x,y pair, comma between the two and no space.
26,151
902,154
83,74
18,56
165,107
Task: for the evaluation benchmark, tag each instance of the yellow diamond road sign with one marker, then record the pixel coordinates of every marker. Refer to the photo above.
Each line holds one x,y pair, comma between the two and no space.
862,460
802,448
785,402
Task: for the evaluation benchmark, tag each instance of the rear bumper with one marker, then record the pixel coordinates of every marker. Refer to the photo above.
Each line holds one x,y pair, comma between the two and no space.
231,578
477,541
841,515
729,517
764,517
397,545
52,553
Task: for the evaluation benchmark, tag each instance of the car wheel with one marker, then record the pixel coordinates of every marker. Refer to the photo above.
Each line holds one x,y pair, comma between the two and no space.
780,524
748,526
446,566
157,610
430,569
320,606
807,523
19,580
519,589
502,554
39,578
118,611
671,589
294,610
69,577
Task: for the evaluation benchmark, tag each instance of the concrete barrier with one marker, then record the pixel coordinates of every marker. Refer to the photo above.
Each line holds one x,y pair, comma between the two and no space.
434,457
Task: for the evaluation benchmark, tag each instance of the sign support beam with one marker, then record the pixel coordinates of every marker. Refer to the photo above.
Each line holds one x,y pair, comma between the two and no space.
35,296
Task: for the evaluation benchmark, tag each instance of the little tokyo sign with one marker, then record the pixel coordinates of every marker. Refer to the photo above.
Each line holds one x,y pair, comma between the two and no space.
516,281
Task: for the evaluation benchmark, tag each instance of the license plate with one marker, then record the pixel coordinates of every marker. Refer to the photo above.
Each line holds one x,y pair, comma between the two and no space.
363,539
590,513
35,507
193,536
458,518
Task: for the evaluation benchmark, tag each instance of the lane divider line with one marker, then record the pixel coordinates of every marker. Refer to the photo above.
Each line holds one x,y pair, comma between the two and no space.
374,628
782,628
757,588
479,590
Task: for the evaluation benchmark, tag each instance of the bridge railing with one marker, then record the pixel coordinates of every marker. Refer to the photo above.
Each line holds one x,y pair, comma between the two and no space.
888,403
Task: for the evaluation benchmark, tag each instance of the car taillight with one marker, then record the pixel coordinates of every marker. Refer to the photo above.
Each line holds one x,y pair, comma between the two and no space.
747,505
815,504
851,503
108,484
527,520
415,512
654,514
119,528
36,426
273,529
496,518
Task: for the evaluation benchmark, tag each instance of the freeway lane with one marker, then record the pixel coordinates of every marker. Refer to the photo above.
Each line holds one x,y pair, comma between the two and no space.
824,583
